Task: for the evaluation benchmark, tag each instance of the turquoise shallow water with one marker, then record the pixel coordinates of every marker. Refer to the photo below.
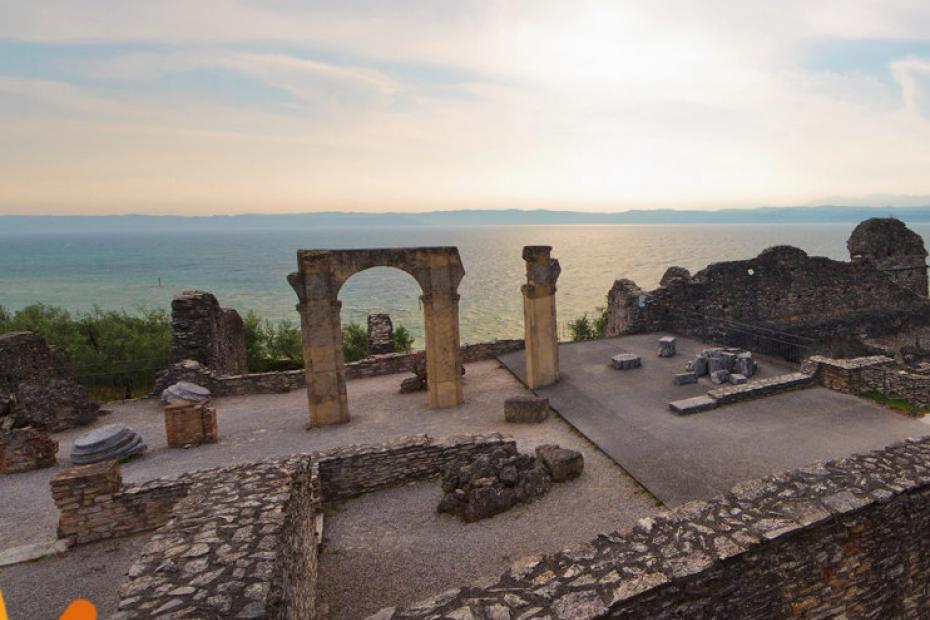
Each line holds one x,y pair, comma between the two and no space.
247,270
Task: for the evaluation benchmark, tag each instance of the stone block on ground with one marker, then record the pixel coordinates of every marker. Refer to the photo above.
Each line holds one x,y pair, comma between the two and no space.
526,409
112,441
720,376
717,362
744,364
693,405
185,391
698,366
685,378
625,361
190,424
667,346
561,463
26,449
737,379
412,384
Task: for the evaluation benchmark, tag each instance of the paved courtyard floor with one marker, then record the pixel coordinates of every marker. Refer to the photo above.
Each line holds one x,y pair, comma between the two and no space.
370,541
681,458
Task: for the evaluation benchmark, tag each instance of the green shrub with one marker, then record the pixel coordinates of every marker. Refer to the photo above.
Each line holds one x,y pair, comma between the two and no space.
354,342
584,328
403,340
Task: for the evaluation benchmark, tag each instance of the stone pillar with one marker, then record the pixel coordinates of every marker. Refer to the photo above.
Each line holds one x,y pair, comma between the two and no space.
380,334
443,354
190,424
539,316
321,330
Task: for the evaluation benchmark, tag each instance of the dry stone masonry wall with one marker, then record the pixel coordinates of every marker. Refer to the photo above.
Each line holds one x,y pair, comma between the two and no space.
201,330
844,538
829,305
25,449
38,386
875,373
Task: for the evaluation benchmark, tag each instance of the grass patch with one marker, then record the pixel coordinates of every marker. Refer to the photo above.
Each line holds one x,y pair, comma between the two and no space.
898,404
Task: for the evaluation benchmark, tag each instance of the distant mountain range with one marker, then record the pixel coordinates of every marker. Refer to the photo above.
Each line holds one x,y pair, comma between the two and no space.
33,224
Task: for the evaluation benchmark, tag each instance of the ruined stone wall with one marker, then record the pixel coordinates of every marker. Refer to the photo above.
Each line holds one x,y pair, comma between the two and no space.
832,305
285,381
38,386
875,373
380,334
840,539
95,505
354,470
892,247
203,331
25,449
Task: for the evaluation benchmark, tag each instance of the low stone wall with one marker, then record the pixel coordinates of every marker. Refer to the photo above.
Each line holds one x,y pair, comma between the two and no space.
95,504
760,388
25,449
354,470
845,538
285,381
876,373
241,544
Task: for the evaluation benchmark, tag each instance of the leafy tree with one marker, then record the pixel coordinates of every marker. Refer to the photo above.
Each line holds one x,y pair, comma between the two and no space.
403,340
354,342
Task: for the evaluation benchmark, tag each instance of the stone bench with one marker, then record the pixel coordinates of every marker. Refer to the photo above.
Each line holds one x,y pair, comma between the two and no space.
695,404
763,387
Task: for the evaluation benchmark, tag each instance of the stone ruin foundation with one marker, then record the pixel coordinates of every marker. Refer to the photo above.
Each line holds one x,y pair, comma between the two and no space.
787,303
480,487
38,386
25,449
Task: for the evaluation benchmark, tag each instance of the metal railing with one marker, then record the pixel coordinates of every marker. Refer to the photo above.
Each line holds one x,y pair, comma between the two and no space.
757,338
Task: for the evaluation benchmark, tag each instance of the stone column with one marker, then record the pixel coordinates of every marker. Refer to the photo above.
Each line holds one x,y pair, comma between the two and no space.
539,316
321,330
443,355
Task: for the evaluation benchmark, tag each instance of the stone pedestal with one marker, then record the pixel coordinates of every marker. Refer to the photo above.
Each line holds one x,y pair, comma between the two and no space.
190,424
539,316
625,361
25,449
667,346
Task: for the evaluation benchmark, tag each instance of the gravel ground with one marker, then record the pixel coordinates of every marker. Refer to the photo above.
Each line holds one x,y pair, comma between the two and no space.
259,426
41,590
392,547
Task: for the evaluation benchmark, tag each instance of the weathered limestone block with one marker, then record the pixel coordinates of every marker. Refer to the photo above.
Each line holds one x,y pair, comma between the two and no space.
380,334
527,409
685,378
625,361
698,366
561,463
737,379
695,404
744,364
667,346
201,330
720,376
25,449
190,424
38,386
108,442
716,363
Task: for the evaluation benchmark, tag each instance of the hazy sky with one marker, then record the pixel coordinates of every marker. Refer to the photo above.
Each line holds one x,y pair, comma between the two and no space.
222,106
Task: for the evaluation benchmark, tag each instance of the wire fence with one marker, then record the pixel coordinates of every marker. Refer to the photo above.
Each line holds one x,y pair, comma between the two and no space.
757,338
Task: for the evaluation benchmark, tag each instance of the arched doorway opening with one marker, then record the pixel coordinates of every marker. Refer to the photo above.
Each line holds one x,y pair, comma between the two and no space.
320,276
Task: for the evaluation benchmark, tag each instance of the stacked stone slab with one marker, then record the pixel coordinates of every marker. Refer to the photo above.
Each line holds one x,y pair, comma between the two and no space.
185,391
380,334
25,449
38,387
710,361
109,442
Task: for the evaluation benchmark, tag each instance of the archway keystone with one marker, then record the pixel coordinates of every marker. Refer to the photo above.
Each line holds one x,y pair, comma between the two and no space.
320,275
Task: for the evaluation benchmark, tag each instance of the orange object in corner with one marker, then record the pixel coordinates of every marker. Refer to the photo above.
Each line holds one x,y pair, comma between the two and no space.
80,609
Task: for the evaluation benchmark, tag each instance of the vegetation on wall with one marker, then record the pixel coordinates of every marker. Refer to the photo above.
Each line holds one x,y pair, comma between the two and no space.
116,354
584,328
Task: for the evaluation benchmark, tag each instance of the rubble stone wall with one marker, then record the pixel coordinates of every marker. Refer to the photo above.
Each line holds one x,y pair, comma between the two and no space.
38,386
843,538
876,373
354,470
285,381
25,449
201,330
95,504
833,304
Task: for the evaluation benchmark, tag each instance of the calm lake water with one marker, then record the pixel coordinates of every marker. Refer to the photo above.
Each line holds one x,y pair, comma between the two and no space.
247,270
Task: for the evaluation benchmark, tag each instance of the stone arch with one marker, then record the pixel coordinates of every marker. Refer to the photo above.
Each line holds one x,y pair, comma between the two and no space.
320,276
